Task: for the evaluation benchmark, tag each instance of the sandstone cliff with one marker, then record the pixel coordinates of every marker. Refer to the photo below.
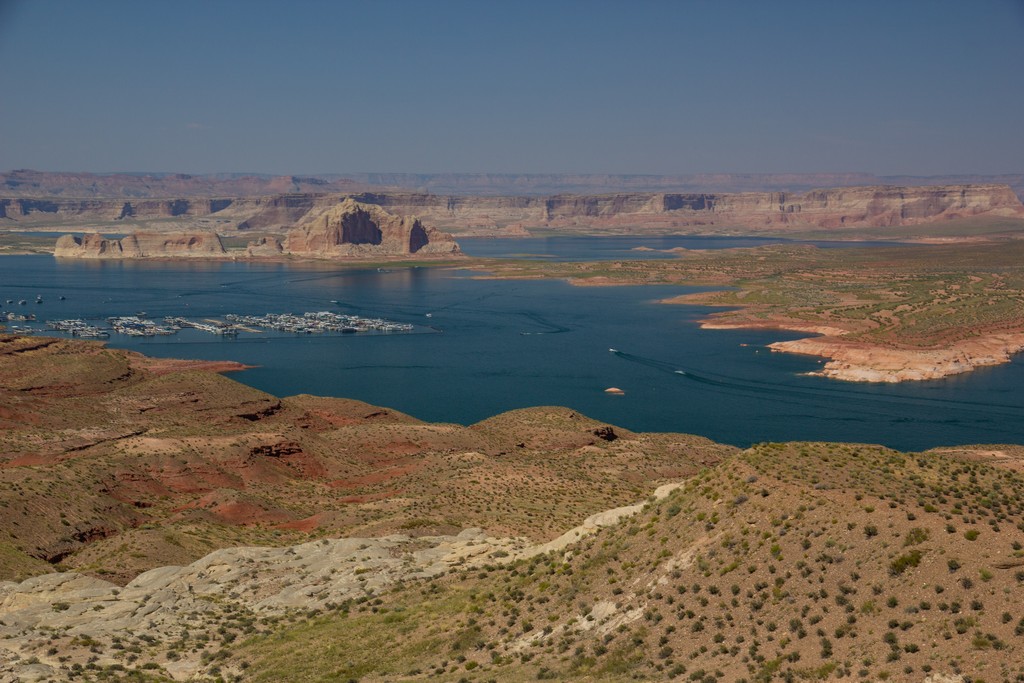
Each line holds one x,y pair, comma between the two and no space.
343,230
709,213
833,208
140,245
353,229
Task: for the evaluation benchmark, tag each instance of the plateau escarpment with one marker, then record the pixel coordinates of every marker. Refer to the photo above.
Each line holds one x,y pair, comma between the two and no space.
835,210
35,184
27,183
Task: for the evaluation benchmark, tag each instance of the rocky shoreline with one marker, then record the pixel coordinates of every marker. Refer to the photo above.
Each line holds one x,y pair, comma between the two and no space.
854,361
857,361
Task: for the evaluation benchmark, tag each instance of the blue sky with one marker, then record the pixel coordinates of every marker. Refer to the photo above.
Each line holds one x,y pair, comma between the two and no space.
902,86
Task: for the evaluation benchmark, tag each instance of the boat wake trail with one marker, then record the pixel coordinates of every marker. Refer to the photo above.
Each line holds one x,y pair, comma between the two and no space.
552,328
851,399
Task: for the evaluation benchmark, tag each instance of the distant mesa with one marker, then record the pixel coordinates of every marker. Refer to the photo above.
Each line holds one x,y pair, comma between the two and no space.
132,186
303,202
140,245
614,391
472,206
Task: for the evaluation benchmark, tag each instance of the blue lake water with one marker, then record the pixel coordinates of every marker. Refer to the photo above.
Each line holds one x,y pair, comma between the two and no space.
569,248
490,346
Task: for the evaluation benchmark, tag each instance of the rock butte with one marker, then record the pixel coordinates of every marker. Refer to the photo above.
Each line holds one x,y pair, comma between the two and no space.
355,229
345,230
140,245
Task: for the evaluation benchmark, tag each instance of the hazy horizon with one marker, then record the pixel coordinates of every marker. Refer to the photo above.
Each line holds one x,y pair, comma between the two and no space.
348,174
567,87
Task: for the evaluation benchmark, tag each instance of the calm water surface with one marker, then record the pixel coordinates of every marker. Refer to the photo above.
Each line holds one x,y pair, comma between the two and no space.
570,248
489,346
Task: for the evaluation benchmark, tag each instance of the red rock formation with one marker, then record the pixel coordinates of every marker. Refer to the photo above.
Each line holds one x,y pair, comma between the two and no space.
88,246
853,207
353,229
140,245
833,208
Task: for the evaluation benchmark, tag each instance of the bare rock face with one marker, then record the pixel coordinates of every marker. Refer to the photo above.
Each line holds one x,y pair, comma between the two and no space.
652,212
264,246
33,184
275,212
352,229
140,245
88,246
839,208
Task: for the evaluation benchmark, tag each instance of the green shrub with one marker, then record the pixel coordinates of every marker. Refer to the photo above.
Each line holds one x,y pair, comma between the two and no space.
905,562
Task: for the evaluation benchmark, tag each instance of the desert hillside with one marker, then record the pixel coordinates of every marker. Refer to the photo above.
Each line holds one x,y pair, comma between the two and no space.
165,522
112,464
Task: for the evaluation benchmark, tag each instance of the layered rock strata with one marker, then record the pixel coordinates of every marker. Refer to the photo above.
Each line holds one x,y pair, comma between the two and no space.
29,183
345,230
835,209
352,229
170,601
140,245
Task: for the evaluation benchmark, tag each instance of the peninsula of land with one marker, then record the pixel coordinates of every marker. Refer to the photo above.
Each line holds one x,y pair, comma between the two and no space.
882,314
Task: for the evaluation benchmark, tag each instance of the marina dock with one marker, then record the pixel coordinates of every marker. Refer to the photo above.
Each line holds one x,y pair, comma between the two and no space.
318,322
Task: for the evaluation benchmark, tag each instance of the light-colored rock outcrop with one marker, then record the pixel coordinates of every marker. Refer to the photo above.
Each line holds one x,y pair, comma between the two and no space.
140,245
593,523
88,246
859,362
167,602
